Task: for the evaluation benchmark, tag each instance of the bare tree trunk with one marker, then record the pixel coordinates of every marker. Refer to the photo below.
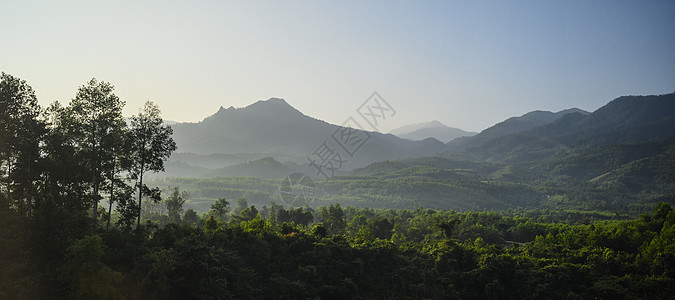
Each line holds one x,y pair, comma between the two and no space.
9,180
94,167
110,199
140,194
30,180
95,196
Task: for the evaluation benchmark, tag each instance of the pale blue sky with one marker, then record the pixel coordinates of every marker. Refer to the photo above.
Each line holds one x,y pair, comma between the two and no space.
468,64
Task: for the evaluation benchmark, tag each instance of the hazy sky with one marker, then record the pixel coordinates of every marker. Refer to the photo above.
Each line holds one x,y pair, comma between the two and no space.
468,64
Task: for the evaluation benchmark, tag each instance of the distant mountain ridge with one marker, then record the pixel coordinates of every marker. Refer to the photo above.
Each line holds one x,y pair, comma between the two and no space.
512,125
263,126
274,126
628,119
622,154
434,129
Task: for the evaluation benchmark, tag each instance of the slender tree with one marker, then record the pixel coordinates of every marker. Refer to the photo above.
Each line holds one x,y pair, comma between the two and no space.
333,219
174,204
66,179
96,126
21,129
150,145
220,208
118,189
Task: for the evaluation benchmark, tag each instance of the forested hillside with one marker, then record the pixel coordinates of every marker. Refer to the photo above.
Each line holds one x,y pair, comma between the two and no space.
629,119
341,253
628,177
79,218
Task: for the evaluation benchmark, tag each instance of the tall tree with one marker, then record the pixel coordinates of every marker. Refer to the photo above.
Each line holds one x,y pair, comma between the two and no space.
21,129
333,219
220,208
117,187
96,125
150,145
66,177
174,204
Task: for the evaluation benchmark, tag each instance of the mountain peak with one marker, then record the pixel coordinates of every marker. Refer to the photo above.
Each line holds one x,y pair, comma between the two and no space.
435,123
573,110
270,101
434,130
223,109
267,107
271,107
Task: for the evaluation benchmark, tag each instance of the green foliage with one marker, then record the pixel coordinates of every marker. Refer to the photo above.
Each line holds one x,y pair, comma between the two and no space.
333,219
384,253
21,130
550,241
241,205
319,231
149,145
301,216
94,123
380,227
191,218
89,277
211,224
220,208
174,204
17,278
448,227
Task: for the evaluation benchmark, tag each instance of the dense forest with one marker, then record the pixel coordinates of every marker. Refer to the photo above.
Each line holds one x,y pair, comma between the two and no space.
339,253
59,164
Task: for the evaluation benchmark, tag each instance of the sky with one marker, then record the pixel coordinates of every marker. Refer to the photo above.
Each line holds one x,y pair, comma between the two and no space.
468,64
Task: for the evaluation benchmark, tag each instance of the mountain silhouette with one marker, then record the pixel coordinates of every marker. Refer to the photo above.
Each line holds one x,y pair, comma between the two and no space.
510,126
628,119
274,126
434,129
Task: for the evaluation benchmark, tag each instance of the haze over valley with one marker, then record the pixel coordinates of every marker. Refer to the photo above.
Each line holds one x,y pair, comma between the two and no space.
271,140
337,150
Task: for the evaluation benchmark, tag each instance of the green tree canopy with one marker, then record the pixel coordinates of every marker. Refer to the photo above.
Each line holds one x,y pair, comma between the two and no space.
150,143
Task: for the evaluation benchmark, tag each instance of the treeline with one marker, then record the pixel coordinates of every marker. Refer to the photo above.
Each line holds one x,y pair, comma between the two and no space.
69,158
399,193
245,252
58,163
416,190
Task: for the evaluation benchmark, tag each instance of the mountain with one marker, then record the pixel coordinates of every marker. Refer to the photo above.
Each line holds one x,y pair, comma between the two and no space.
608,165
434,129
264,126
628,119
274,126
510,126
621,156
